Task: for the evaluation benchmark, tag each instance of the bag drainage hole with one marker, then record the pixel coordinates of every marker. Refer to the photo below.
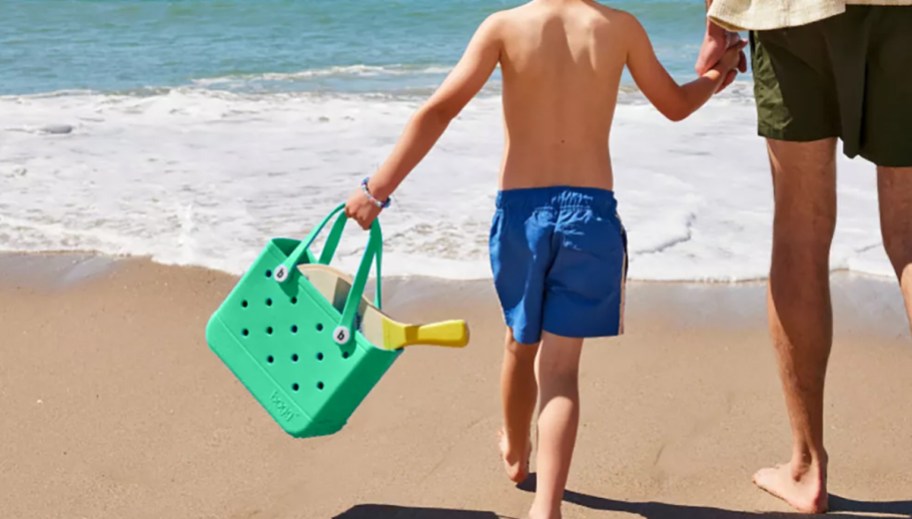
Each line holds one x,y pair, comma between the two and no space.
269,302
295,386
269,330
244,303
245,332
270,359
319,356
346,354
269,273
294,328
320,386
319,327
294,357
294,300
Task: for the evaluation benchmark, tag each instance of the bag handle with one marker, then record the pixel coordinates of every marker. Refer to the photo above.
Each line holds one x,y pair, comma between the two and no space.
373,253
332,243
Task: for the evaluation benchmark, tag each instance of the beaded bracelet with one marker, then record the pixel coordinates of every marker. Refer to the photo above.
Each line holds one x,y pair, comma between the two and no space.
381,204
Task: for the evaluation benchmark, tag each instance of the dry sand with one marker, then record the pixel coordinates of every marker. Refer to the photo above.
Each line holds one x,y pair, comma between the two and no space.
113,406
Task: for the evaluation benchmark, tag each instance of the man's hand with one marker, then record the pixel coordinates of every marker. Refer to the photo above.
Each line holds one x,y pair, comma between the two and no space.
360,209
716,42
731,59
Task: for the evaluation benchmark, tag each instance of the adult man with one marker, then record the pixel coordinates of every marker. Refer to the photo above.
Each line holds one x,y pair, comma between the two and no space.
822,70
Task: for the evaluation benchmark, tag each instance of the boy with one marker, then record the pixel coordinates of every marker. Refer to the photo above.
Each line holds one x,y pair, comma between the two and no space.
558,249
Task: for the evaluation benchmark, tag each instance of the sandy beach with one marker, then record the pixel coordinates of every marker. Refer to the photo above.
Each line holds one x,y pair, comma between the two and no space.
114,406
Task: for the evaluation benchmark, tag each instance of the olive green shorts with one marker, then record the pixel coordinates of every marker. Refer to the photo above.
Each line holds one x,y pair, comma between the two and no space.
849,76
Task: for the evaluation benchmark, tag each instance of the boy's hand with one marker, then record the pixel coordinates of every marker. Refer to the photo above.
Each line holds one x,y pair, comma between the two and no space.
361,210
732,59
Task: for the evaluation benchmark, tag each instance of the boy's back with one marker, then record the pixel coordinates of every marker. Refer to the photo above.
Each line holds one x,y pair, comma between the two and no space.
562,64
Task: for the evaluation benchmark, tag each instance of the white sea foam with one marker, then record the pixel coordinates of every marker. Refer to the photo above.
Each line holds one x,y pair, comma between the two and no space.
196,176
350,78
343,71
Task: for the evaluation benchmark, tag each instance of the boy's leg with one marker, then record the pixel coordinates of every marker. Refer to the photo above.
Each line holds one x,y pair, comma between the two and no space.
894,187
800,312
519,392
557,370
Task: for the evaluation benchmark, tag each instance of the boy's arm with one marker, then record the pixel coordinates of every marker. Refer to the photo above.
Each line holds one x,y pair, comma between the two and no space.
674,101
429,122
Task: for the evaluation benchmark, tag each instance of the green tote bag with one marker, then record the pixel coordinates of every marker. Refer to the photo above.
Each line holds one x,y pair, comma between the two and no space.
301,358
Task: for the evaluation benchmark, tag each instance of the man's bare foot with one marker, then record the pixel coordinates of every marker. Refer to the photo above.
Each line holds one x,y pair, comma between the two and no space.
517,467
803,489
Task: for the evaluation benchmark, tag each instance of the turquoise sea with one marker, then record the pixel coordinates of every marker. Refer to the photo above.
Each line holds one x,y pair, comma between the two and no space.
192,131
269,45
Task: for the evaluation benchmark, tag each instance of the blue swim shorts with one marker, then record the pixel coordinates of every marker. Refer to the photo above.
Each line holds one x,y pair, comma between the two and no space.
559,257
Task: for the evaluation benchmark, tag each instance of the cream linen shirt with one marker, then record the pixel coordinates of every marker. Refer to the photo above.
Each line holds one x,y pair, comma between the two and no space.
760,15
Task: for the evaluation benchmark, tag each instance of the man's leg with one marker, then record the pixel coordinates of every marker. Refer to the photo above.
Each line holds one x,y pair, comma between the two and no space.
800,314
894,186
558,420
519,392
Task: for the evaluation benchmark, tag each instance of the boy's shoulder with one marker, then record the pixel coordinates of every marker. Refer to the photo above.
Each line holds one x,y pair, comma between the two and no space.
617,18
612,12
504,16
496,21
621,24
614,29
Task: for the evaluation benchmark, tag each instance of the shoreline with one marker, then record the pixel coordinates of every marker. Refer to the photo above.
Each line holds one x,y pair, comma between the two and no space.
100,260
862,303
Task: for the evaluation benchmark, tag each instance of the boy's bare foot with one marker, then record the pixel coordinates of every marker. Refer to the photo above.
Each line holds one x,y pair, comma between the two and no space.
538,514
517,467
804,489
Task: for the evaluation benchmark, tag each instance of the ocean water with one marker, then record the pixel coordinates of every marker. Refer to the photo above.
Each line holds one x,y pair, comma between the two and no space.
265,46
193,131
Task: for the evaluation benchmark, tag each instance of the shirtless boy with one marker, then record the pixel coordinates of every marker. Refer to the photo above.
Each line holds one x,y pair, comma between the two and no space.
558,249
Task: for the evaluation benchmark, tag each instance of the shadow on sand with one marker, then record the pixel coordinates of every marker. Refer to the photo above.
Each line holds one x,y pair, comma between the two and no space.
839,506
404,512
